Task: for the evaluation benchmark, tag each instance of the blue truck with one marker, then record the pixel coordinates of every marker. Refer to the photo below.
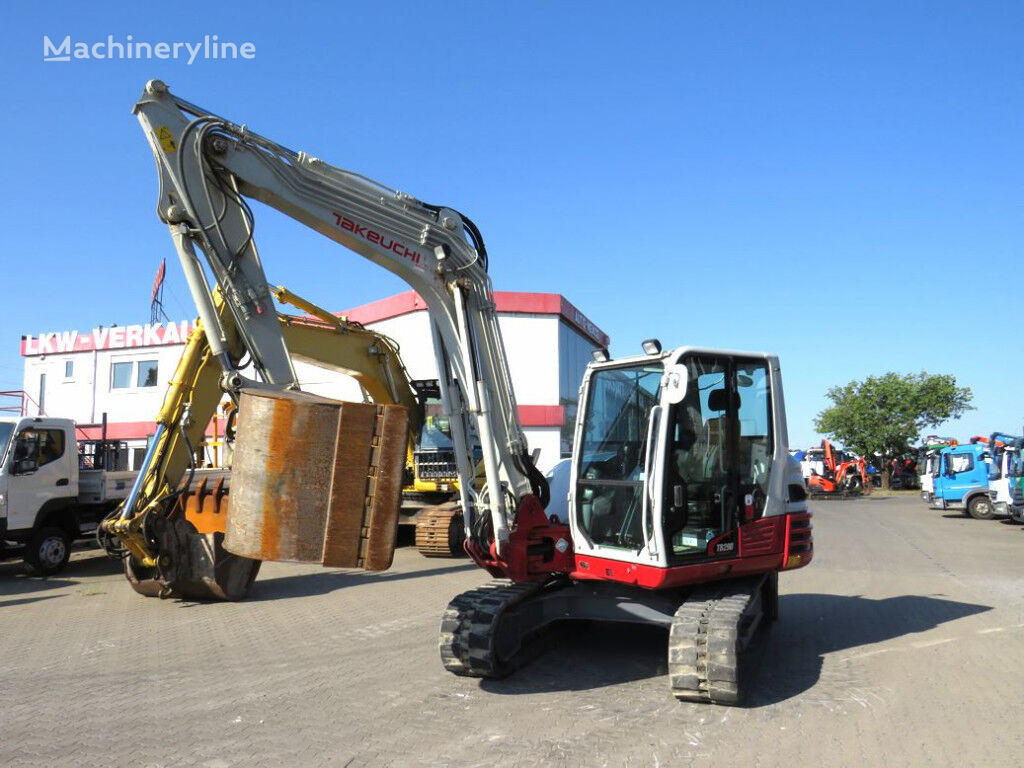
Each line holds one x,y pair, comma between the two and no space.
960,480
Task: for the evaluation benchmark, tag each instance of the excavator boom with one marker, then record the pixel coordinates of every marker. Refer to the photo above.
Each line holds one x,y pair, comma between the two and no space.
208,167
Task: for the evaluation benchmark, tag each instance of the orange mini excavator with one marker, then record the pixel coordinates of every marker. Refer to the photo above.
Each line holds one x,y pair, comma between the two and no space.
848,476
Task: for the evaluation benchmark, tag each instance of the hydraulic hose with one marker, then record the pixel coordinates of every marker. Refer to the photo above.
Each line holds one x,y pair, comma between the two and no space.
538,482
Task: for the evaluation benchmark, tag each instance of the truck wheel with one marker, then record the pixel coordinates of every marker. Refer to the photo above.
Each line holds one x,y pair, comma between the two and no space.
48,551
980,508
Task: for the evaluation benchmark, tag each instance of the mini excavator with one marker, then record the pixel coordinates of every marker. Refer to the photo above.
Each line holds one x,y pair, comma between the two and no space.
684,504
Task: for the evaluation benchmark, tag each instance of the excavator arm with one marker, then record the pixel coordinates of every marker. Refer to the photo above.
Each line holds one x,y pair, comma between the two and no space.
191,400
828,458
208,167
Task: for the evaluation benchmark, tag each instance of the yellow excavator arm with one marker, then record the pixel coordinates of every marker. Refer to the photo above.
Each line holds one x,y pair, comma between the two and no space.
191,401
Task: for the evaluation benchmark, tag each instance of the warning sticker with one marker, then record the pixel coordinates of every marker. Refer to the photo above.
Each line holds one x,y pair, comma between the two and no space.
163,135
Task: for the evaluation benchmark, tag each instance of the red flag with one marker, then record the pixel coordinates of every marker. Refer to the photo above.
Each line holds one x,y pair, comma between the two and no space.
159,279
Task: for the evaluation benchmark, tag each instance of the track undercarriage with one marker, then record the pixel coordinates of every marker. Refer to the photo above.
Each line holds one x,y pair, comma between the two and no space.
440,531
494,629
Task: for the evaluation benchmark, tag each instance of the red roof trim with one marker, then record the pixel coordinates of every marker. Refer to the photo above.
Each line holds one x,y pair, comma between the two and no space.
507,302
122,430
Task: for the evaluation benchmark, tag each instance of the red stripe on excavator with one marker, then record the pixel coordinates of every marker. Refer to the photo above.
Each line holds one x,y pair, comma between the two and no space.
652,577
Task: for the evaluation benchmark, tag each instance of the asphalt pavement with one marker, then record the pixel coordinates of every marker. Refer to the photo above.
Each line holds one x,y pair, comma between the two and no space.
901,645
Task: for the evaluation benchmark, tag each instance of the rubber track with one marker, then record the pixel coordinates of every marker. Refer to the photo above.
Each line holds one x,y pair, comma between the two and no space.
704,643
469,628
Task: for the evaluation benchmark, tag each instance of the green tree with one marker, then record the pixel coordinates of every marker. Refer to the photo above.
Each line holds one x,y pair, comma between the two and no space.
886,414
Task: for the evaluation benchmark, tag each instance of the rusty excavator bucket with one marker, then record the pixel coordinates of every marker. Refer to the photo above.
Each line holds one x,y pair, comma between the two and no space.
317,480
313,480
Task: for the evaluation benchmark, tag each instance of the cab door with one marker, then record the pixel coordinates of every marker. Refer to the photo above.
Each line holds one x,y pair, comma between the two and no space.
40,471
718,452
958,468
615,451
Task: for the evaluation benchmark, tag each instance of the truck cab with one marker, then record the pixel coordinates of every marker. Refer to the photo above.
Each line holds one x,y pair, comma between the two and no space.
813,463
928,463
1015,483
961,480
1002,448
928,468
47,498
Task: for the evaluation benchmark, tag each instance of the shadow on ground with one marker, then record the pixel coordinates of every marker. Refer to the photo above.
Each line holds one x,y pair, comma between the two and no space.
585,655
87,562
26,600
813,625
322,582
784,661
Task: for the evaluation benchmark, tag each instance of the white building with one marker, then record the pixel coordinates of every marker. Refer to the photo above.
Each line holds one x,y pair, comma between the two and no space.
123,371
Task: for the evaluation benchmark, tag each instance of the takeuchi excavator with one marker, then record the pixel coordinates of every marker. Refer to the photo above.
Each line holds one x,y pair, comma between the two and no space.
684,504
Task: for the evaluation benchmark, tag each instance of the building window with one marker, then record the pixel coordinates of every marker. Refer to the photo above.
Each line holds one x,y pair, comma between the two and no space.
138,454
69,369
147,373
573,355
130,374
121,375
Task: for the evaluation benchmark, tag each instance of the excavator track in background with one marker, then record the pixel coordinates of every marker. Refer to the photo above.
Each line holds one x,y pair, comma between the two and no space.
835,495
440,531
709,633
472,644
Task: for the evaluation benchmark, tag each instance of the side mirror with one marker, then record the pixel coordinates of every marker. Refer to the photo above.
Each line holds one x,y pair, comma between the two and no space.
674,383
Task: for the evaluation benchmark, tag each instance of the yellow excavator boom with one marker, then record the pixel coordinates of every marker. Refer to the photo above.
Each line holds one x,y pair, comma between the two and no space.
191,402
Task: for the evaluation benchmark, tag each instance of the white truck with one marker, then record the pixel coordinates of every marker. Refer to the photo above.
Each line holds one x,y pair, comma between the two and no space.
53,489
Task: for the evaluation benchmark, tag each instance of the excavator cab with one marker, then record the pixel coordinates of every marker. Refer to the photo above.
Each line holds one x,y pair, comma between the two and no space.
675,452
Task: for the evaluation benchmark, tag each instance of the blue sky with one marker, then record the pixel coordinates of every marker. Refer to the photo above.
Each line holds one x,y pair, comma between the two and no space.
838,183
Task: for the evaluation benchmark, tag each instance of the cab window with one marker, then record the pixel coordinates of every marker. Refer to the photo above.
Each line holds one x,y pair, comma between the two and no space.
39,446
960,462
